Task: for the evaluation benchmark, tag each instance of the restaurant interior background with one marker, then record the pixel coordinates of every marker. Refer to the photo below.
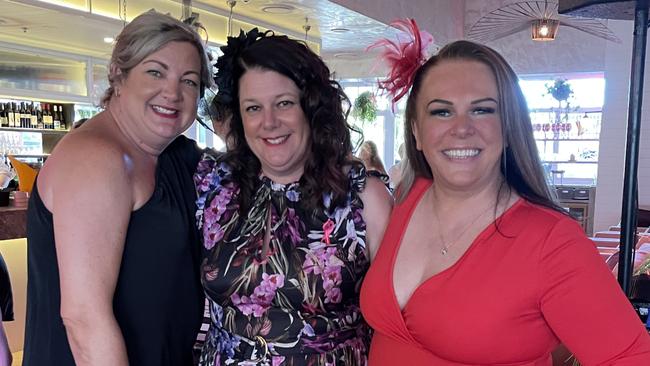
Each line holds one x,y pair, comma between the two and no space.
55,52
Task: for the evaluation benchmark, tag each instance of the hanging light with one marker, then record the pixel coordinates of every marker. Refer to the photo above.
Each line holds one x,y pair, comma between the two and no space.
231,4
306,27
544,29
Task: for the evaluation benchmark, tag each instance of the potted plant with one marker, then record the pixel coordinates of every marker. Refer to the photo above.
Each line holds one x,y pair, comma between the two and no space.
560,90
365,108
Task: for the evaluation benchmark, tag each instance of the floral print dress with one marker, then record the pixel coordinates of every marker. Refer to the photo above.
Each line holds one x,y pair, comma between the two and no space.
295,302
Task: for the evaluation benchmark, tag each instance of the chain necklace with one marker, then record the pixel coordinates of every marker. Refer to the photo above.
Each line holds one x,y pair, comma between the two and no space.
445,245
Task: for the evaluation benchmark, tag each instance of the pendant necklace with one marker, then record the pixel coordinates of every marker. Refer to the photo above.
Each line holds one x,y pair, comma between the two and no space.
446,245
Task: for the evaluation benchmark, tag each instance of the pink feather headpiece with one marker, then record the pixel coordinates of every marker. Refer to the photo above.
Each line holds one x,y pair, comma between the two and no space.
403,57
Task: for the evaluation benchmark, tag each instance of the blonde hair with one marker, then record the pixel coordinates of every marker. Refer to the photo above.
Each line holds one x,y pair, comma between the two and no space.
146,34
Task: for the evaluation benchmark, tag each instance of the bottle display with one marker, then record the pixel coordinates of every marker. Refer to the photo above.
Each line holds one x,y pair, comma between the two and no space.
34,115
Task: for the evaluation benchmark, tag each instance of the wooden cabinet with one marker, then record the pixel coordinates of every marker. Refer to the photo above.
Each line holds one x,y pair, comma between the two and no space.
579,203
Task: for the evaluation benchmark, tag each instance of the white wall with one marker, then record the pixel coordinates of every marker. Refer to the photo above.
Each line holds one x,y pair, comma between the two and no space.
614,130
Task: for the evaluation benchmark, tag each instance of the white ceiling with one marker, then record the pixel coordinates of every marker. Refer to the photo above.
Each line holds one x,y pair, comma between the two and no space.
69,26
74,29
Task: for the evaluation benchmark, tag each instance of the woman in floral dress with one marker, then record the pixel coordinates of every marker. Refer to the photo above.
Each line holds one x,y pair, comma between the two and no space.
289,219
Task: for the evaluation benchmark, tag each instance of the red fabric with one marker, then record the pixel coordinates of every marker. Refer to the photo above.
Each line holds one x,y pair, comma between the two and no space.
510,300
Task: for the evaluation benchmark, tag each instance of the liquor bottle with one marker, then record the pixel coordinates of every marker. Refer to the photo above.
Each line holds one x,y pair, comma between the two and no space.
33,119
4,121
11,115
56,117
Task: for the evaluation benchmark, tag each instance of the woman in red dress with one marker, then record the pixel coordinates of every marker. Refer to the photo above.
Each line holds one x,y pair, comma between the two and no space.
479,265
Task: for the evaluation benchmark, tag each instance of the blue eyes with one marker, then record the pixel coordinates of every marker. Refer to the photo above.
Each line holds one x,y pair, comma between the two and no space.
445,113
157,74
484,110
440,113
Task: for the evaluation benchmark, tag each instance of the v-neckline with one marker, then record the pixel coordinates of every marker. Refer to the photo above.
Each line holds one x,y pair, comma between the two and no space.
480,237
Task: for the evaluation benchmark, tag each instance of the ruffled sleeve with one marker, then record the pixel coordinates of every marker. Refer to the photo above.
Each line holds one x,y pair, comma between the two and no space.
206,180
357,176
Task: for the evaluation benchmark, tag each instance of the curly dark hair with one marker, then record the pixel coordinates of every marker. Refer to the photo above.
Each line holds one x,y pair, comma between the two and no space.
321,98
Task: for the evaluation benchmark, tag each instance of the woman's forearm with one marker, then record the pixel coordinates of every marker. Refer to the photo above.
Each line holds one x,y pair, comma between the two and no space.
95,340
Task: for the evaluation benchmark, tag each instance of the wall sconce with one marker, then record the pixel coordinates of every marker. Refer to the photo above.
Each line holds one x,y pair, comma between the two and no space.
544,29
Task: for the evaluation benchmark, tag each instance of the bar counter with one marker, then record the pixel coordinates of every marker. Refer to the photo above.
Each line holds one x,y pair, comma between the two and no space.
13,221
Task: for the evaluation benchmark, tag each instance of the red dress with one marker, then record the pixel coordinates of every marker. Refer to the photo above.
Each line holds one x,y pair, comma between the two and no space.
509,300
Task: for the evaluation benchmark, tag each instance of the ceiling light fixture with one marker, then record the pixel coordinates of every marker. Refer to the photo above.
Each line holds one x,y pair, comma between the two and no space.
540,16
278,9
109,39
544,29
339,30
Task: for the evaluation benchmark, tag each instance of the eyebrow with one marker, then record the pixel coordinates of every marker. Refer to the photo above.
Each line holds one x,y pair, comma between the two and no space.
442,101
164,66
281,95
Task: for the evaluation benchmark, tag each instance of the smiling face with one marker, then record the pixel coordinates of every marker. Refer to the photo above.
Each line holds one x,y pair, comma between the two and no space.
458,125
275,126
159,95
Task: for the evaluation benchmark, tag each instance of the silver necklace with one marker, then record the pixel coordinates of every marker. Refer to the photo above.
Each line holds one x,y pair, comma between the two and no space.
446,245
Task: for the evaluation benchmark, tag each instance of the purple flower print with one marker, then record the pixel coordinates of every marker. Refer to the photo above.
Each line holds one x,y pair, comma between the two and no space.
277,360
212,231
324,262
257,303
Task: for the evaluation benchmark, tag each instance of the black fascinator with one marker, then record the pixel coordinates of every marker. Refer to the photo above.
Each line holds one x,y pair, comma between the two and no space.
226,62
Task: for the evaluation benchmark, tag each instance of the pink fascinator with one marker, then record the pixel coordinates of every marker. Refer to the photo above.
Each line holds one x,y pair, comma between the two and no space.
403,57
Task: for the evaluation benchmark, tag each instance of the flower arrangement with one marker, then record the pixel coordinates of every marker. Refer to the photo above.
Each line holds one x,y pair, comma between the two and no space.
365,108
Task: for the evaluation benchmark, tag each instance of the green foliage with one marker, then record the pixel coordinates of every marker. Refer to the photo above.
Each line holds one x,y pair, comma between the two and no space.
560,90
365,109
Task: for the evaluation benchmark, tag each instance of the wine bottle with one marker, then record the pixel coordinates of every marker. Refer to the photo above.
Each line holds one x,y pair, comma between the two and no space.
23,115
33,120
61,118
56,117
11,115
39,117
4,121
47,116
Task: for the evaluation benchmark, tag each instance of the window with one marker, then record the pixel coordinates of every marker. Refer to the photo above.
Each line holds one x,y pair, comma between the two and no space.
567,136
386,131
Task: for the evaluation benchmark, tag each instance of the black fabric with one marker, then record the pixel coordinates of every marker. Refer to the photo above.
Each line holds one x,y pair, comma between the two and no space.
158,299
6,298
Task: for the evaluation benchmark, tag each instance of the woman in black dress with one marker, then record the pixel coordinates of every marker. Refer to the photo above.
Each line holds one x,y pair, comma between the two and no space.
112,253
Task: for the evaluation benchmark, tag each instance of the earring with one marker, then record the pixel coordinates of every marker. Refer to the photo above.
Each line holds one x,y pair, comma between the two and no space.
117,92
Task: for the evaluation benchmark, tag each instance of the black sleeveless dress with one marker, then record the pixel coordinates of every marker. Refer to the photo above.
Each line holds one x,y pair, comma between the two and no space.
158,300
